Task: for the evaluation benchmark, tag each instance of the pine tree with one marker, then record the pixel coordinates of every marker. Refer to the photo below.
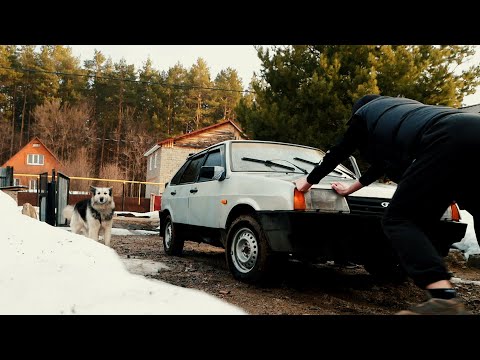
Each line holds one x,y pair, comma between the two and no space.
305,93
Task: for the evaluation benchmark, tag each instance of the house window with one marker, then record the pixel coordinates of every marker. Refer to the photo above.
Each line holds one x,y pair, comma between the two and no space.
155,160
36,145
151,162
32,185
35,159
16,182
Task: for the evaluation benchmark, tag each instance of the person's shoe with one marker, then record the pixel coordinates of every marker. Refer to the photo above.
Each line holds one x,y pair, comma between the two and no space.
436,306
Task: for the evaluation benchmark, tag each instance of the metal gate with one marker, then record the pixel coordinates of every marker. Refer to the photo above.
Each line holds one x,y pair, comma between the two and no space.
42,190
6,176
62,189
53,197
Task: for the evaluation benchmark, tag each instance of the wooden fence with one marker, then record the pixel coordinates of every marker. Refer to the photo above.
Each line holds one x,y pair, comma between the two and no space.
129,203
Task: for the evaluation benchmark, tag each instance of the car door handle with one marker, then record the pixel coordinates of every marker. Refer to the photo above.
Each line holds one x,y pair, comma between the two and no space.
194,190
173,193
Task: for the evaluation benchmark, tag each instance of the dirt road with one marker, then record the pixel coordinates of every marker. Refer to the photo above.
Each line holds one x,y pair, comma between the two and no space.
306,289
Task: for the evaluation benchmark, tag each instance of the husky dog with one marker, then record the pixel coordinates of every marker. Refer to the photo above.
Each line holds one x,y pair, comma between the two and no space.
93,217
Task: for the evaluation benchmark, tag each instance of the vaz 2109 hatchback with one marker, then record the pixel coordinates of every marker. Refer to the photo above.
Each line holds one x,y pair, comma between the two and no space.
240,195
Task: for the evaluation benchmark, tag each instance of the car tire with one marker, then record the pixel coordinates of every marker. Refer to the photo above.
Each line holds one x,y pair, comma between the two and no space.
172,245
248,254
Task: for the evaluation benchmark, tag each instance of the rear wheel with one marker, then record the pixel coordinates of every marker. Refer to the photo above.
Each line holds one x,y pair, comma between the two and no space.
248,254
172,245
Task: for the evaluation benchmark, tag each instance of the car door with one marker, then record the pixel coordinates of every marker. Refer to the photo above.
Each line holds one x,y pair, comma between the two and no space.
204,203
184,189
174,198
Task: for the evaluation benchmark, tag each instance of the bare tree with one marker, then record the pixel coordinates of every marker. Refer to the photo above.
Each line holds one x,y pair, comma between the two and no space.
64,128
79,165
112,172
127,116
137,139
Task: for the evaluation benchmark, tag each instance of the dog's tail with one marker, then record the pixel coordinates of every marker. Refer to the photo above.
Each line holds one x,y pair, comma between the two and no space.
67,212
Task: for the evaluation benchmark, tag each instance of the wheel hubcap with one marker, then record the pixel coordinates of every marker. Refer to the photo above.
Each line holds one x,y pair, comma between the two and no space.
244,251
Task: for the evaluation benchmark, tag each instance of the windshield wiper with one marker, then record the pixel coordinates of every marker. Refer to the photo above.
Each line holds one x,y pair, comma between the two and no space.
268,163
298,167
306,161
314,163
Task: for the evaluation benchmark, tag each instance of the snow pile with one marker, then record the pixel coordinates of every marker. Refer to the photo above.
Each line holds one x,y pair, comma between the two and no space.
469,244
47,270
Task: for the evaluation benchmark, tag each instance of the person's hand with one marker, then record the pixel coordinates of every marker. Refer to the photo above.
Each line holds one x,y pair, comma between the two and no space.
302,184
341,189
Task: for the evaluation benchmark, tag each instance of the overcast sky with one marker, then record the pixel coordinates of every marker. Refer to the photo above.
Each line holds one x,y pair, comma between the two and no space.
474,98
243,58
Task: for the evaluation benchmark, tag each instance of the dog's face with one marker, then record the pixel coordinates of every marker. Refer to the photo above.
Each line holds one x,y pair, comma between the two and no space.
101,195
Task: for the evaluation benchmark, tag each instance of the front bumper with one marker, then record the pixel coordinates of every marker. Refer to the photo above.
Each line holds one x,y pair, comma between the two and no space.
332,235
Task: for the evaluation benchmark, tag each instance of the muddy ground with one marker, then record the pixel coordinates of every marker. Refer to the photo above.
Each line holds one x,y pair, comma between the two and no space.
314,289
308,289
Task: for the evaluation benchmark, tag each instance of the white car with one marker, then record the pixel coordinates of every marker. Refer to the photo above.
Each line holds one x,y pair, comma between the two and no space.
240,195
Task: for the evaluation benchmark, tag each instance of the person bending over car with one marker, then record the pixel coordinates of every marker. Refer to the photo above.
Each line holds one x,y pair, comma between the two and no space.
424,149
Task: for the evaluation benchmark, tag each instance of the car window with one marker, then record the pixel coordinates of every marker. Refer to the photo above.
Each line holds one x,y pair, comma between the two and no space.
283,154
191,172
252,156
214,158
176,177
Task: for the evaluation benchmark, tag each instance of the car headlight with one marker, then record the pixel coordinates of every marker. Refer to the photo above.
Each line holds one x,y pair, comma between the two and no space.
320,200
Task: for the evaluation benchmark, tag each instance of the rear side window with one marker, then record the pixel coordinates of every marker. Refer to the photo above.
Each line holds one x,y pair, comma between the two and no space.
191,172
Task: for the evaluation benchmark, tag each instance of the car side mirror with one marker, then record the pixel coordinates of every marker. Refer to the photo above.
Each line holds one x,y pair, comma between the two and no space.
212,172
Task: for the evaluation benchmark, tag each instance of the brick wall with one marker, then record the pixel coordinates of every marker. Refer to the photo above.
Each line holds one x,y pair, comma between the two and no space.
170,160
153,175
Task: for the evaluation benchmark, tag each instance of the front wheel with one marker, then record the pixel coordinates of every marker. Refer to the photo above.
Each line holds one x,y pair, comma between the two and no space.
249,257
171,243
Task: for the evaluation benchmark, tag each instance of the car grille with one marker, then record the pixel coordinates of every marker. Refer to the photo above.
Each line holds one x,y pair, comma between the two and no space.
370,206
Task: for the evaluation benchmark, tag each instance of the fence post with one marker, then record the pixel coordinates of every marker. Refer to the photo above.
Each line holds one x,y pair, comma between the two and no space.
9,175
139,188
123,197
51,201
50,218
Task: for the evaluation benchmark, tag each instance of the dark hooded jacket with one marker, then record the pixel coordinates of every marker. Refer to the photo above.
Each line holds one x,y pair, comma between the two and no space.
388,133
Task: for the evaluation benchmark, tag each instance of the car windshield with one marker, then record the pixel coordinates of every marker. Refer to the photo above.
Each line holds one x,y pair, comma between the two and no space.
265,157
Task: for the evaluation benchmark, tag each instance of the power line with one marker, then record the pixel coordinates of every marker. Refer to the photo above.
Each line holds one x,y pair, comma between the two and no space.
110,139
178,86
